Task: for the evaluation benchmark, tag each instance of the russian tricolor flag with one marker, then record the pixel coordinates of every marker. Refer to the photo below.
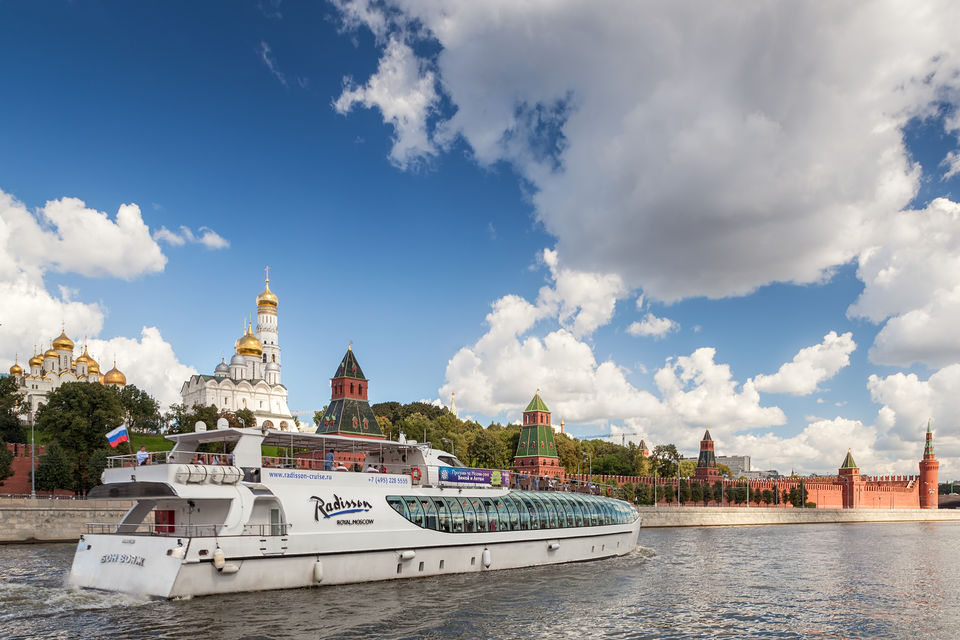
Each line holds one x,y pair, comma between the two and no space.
118,435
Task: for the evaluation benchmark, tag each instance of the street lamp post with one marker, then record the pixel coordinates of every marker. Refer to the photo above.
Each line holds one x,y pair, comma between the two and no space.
33,464
453,449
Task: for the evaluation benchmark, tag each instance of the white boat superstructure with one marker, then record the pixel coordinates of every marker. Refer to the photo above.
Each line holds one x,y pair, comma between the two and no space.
217,516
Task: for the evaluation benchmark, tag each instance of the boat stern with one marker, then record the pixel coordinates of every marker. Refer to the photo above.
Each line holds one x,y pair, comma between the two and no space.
138,565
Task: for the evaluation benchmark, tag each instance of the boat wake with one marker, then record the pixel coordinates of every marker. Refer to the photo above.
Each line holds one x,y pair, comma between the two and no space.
20,600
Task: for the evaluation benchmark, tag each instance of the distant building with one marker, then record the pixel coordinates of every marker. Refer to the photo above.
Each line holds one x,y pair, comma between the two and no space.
707,463
738,464
252,379
56,366
349,412
537,452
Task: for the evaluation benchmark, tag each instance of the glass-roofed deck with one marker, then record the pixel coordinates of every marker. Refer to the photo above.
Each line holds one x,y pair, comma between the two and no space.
516,511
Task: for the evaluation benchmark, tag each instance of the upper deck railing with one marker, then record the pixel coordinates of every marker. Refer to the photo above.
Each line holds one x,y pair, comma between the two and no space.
424,475
183,530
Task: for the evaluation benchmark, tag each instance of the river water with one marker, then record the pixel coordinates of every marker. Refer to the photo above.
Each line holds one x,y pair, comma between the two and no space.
873,580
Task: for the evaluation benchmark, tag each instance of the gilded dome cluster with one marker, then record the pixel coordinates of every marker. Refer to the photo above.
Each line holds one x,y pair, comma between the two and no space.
63,343
248,344
267,298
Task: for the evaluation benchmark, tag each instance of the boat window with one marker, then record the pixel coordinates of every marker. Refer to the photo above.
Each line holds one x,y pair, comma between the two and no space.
608,517
512,512
469,515
416,513
429,513
541,512
450,460
398,506
575,504
550,506
568,511
481,514
554,511
493,518
531,513
523,515
591,511
503,514
443,514
456,514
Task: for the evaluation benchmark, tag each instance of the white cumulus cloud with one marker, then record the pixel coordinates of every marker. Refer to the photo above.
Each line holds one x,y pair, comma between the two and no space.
691,149
652,326
204,235
403,90
810,367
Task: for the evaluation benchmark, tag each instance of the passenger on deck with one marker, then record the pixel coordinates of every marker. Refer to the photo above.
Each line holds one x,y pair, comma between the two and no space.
340,467
372,468
142,456
328,461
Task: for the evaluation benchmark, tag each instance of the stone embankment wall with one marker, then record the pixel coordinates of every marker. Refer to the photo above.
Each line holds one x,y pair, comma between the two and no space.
716,517
46,520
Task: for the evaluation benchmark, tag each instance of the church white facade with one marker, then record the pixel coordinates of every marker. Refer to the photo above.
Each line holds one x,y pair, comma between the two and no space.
55,367
252,378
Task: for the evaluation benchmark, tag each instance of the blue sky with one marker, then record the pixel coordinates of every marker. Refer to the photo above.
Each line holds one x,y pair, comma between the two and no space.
479,194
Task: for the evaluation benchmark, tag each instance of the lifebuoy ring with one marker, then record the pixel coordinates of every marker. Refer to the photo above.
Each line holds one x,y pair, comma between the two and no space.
609,492
415,474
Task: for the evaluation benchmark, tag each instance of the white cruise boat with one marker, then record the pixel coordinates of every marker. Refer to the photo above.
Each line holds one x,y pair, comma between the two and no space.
208,523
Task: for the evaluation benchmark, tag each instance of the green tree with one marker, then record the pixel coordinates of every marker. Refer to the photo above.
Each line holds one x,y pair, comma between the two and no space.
246,418
767,496
141,413
684,493
718,491
55,469
696,493
487,450
688,468
644,493
724,471
665,459
11,405
6,460
77,417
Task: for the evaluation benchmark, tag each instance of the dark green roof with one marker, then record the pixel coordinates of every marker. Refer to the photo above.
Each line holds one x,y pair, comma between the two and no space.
706,435
349,368
848,462
536,440
350,417
707,460
537,404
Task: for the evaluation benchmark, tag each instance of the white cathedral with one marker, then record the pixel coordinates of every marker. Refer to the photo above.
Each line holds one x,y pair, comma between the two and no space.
252,379
55,367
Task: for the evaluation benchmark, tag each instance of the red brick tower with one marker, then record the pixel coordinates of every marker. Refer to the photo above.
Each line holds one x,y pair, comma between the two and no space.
707,462
929,470
644,451
536,451
850,481
349,412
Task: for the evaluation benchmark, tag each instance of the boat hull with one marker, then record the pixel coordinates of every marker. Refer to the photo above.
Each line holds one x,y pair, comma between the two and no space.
168,567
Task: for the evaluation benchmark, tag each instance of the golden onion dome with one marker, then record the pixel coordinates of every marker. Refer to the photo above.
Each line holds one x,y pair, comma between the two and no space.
92,366
248,344
267,298
100,378
16,369
63,342
50,353
36,360
114,376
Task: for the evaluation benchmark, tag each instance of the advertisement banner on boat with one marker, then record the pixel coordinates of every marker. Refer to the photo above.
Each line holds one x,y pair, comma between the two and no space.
492,477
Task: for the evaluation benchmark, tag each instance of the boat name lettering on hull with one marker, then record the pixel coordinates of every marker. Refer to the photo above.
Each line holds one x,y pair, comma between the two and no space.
121,558
337,507
356,521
